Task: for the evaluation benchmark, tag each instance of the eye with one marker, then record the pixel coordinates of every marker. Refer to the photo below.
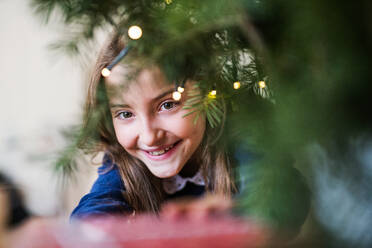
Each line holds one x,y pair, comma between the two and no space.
168,105
124,115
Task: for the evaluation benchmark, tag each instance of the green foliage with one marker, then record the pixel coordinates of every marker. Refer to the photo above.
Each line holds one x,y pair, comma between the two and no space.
314,57
276,194
200,103
66,161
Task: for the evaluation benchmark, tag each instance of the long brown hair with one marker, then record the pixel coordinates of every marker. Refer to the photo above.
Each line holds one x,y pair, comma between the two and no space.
143,190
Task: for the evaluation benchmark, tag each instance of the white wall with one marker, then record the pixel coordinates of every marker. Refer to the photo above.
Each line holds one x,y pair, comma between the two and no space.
41,92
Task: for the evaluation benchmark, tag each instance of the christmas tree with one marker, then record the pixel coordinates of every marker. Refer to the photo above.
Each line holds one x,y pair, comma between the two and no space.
295,75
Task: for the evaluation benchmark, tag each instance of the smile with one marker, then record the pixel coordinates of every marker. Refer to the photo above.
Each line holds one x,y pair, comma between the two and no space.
163,153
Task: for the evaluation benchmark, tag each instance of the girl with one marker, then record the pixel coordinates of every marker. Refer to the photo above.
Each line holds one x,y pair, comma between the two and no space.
153,153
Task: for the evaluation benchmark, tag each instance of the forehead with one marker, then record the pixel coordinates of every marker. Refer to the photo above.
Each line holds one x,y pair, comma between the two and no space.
126,81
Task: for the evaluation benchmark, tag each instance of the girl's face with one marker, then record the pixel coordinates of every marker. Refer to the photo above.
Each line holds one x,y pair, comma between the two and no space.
149,124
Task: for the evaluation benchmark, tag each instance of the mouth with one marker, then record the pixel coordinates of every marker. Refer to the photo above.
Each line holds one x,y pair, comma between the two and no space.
162,153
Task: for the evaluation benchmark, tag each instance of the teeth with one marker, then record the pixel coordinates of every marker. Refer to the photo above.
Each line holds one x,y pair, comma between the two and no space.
168,148
161,152
157,153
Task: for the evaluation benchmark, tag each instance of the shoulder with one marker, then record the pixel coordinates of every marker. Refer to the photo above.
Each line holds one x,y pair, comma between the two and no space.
108,177
106,196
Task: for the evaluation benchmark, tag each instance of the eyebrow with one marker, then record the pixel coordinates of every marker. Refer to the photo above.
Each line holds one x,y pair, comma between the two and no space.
160,96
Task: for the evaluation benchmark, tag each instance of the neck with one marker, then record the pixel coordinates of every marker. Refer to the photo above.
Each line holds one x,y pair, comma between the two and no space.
190,169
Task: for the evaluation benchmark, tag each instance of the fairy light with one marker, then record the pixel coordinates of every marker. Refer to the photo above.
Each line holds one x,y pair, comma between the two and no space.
262,84
176,95
105,72
134,32
180,89
236,85
212,94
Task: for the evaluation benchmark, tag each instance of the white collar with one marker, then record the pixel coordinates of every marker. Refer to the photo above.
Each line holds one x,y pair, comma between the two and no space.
176,183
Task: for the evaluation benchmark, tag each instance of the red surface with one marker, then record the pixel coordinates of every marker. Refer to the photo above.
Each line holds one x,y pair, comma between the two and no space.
145,231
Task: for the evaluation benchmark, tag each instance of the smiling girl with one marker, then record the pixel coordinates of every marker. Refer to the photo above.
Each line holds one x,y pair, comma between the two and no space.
153,152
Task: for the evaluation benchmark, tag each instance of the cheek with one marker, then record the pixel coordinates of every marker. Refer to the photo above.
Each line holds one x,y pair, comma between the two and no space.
125,136
186,128
199,128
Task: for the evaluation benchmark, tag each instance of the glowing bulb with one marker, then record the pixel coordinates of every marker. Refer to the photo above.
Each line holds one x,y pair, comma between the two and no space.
262,84
134,32
212,94
105,72
176,95
180,89
236,85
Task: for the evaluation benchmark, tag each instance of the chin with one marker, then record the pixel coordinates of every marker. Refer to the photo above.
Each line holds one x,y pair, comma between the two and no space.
165,173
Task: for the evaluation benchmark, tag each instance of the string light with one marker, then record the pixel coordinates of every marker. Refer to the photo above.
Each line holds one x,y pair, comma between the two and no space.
105,72
134,32
212,94
180,89
262,84
236,85
176,95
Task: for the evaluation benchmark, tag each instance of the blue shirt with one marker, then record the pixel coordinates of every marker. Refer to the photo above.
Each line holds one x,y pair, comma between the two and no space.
106,196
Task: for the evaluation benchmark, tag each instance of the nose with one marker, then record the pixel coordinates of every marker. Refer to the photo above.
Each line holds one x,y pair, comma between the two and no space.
151,134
